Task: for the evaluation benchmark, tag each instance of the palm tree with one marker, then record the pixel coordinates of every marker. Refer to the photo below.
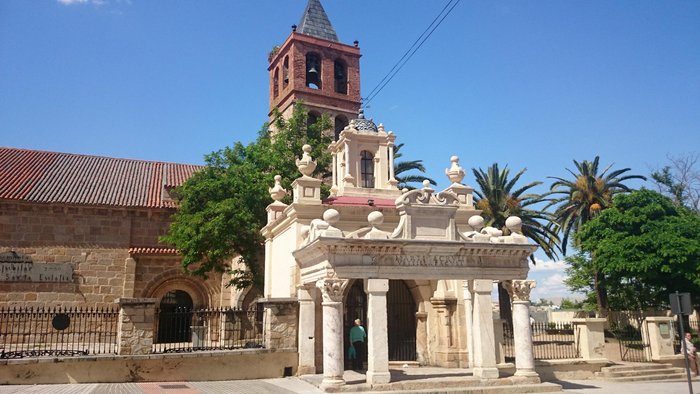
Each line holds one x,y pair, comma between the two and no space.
498,199
401,168
583,198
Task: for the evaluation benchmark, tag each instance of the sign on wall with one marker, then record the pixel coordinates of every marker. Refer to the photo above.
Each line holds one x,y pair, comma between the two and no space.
17,267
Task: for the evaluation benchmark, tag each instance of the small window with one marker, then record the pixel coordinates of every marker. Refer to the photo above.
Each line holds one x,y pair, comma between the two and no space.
367,169
313,71
340,123
341,77
285,72
276,83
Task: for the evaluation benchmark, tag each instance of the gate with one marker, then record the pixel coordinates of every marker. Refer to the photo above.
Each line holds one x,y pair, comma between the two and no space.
401,322
631,332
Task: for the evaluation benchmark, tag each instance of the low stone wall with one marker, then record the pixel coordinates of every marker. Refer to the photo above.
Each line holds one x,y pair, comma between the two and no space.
196,366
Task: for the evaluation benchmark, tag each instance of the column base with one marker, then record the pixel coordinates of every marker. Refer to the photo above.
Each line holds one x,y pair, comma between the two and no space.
485,373
306,370
331,383
378,377
526,373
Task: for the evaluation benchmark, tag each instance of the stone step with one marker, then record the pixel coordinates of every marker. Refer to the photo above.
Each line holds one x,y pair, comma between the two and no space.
514,389
671,376
635,367
644,372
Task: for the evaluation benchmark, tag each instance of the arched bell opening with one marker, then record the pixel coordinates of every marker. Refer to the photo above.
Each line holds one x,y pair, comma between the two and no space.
313,71
340,122
340,76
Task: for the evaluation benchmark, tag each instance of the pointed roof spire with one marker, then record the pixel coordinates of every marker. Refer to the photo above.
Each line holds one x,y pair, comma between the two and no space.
314,22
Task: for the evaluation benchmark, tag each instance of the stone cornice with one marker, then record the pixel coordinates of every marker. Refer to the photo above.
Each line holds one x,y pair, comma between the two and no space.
400,258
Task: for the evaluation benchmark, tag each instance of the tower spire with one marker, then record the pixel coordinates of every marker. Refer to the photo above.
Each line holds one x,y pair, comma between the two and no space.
314,22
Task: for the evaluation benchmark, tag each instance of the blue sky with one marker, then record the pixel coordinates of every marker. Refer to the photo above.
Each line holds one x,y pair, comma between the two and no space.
531,84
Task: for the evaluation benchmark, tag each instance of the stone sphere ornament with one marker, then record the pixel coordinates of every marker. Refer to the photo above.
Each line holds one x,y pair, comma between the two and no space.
375,218
476,222
514,223
331,216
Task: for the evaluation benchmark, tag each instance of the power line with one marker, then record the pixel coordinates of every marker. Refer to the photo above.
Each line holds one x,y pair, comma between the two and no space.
411,51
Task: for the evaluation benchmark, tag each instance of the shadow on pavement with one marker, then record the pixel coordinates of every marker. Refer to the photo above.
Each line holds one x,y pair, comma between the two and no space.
573,386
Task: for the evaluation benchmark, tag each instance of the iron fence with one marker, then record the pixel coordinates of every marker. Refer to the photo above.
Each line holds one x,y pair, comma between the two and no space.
630,331
186,330
550,341
57,331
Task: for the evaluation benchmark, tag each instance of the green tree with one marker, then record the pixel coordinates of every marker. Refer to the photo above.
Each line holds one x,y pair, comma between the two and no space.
498,198
647,246
222,207
582,198
402,168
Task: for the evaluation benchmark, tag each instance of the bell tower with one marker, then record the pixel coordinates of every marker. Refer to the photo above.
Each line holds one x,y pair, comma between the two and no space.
312,65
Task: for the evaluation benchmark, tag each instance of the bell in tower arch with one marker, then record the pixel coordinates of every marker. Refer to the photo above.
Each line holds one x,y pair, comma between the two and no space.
313,71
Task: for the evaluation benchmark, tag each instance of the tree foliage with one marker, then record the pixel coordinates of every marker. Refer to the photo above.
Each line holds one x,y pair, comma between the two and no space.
402,168
680,181
222,207
647,246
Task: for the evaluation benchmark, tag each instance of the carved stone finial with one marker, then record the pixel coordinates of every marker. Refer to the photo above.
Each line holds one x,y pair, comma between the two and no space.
426,184
332,289
306,165
476,222
519,290
334,191
514,224
277,192
331,216
455,173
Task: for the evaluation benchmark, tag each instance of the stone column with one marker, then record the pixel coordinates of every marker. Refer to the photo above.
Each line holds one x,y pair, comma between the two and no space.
484,343
377,340
468,313
590,338
135,325
307,326
519,291
333,354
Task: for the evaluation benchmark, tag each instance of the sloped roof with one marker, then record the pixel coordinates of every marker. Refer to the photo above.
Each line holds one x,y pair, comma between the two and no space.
52,177
314,22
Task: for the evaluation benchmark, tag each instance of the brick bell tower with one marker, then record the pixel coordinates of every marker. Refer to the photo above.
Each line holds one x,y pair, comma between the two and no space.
313,66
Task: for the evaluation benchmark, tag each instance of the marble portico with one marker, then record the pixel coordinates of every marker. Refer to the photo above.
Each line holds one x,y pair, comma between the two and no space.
436,240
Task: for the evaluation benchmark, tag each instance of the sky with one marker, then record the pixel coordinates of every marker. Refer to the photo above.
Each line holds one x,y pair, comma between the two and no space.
524,83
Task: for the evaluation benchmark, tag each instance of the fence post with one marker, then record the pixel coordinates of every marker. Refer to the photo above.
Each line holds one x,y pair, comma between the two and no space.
658,334
589,336
135,325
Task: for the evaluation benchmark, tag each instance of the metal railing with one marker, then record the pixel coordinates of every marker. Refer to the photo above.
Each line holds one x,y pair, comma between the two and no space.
185,330
57,331
550,341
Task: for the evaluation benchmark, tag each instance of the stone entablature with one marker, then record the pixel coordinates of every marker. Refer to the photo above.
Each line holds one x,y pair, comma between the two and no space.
408,259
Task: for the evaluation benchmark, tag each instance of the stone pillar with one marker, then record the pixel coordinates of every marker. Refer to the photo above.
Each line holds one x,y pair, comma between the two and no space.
659,336
589,335
129,277
307,326
135,325
468,310
522,331
280,322
484,344
500,342
333,354
377,340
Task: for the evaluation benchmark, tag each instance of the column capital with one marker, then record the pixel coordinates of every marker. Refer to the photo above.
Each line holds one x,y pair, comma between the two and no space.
519,290
332,289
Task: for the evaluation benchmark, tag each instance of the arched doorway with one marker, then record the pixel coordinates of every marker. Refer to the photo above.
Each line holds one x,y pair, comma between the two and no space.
401,318
175,317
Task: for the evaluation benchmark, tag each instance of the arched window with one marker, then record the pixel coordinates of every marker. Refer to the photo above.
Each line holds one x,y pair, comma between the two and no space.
367,169
341,77
312,118
276,83
174,317
340,122
313,71
285,72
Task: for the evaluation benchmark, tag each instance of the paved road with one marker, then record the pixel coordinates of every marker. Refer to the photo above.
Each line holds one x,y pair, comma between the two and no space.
297,386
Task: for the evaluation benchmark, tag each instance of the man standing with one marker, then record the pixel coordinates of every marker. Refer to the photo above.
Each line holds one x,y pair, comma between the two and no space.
357,339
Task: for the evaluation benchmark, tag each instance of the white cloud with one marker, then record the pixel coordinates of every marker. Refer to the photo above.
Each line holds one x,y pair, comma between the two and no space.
548,265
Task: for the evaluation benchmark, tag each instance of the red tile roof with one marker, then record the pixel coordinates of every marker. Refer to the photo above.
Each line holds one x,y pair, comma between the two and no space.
52,177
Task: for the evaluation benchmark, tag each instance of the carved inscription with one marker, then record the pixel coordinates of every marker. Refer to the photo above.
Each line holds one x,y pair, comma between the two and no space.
428,260
15,267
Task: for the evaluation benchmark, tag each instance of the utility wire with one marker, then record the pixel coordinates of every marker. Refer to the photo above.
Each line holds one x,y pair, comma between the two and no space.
411,51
